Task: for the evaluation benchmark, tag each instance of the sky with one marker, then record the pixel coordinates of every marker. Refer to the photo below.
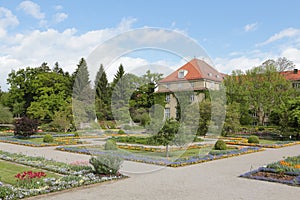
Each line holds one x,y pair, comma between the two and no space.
234,34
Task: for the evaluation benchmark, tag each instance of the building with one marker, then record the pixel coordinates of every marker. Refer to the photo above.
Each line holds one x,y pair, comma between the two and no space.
293,76
195,76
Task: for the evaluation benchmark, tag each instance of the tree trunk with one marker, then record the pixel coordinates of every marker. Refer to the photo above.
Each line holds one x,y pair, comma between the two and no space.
167,151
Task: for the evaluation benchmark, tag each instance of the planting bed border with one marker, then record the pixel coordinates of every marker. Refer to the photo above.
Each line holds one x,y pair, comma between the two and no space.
164,161
294,182
76,178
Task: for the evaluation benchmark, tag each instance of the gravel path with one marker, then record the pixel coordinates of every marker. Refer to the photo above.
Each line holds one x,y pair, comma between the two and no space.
212,180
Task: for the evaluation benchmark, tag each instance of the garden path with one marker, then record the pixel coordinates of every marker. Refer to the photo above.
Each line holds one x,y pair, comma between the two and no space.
212,180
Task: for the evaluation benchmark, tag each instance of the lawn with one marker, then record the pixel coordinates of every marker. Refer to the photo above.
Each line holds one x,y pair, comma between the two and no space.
38,141
9,170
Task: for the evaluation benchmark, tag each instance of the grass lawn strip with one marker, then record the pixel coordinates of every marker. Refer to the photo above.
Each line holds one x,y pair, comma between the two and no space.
38,142
9,170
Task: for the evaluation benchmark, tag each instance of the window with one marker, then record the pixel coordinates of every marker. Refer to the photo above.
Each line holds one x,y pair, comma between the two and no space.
296,85
209,74
192,98
167,98
167,113
192,84
181,74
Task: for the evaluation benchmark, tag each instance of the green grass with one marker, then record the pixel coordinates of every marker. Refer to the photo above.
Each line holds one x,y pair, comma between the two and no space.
9,170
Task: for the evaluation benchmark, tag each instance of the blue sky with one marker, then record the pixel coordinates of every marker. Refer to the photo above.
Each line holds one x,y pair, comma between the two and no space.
235,34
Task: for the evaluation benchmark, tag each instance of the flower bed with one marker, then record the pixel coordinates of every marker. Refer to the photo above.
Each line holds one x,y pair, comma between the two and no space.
159,149
179,162
279,145
57,141
284,171
72,176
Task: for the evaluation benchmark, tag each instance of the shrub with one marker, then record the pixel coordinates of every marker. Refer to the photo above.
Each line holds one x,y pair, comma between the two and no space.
220,145
76,134
121,132
110,145
25,127
48,138
253,139
106,164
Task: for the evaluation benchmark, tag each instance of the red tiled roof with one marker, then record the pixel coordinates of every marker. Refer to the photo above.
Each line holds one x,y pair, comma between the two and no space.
291,75
196,69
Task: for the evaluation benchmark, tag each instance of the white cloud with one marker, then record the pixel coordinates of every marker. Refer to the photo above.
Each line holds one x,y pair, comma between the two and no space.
227,65
250,27
66,47
7,19
286,33
59,17
292,54
31,9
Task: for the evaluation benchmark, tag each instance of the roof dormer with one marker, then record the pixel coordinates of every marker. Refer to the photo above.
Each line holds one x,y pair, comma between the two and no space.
182,73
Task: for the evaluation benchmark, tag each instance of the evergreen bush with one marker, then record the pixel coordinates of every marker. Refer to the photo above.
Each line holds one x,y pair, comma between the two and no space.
220,145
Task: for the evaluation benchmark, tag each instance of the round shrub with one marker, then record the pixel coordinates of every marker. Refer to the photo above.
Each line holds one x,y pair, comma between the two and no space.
110,145
220,145
76,134
121,132
253,139
48,138
106,164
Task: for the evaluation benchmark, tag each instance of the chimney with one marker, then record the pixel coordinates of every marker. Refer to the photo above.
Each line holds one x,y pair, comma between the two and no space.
295,71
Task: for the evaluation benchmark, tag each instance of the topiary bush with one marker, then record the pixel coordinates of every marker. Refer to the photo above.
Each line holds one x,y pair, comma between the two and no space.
121,132
110,145
106,164
253,139
48,138
220,145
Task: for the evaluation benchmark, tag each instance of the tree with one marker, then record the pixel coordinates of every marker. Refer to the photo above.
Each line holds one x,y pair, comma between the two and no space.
81,86
258,90
25,126
205,117
83,96
232,123
103,93
167,134
120,73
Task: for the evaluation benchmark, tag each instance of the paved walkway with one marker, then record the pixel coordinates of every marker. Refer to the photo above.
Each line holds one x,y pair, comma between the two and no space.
212,180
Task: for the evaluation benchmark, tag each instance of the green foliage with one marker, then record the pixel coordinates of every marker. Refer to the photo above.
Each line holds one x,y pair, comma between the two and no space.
253,139
103,93
6,191
48,138
106,164
76,134
205,117
220,145
232,120
25,126
121,132
167,134
110,145
137,140
6,117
